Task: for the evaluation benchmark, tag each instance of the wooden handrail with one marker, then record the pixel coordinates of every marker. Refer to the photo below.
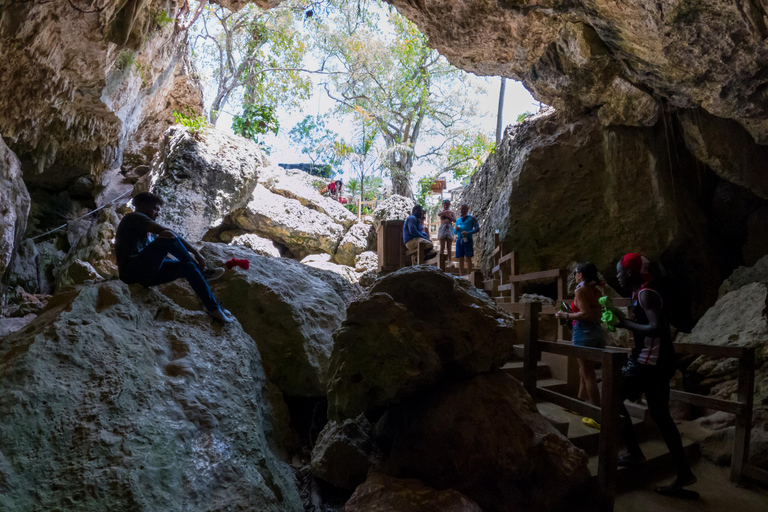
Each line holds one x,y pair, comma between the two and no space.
710,350
707,401
590,354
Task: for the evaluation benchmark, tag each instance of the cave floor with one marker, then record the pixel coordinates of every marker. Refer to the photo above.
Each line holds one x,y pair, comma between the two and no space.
716,490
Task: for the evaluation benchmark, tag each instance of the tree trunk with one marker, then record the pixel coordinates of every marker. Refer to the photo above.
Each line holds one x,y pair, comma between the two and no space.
499,123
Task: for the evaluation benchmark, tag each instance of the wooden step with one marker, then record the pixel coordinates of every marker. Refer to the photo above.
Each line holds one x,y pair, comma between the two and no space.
515,369
658,462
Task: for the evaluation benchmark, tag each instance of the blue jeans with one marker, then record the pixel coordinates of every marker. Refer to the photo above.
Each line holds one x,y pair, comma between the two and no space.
151,268
588,334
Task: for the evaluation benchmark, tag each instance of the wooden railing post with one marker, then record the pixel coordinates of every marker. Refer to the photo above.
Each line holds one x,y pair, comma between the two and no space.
610,428
531,353
745,393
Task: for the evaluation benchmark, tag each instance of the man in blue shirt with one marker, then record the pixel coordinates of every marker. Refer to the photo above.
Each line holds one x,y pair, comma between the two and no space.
466,226
413,236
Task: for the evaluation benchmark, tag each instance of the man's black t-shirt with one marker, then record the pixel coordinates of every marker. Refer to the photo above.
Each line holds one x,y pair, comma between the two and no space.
132,236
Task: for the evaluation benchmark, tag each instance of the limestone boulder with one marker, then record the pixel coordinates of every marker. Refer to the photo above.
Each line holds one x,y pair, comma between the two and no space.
202,177
382,493
392,208
356,241
534,192
366,261
302,230
117,398
323,262
257,244
94,248
14,199
483,437
743,276
343,452
417,326
738,319
290,313
305,188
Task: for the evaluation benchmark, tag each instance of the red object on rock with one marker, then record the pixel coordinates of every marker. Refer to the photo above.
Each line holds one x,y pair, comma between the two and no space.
343,200
234,262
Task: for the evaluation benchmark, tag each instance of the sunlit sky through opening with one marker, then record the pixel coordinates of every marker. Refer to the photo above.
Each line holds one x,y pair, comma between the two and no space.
517,101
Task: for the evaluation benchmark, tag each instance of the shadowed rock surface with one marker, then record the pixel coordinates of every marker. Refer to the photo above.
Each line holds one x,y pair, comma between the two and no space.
344,452
382,493
484,438
418,325
117,399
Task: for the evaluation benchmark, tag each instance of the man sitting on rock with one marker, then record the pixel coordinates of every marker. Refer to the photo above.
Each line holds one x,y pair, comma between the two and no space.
413,235
141,248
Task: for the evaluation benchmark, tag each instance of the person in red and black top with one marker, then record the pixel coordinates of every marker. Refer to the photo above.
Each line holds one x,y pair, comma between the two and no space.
649,369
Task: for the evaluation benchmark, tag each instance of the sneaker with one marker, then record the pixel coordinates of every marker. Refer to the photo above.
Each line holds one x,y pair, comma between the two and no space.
218,314
212,274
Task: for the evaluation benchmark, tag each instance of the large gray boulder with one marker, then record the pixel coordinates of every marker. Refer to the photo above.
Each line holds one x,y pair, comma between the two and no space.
289,312
117,399
484,438
417,326
302,230
14,199
202,177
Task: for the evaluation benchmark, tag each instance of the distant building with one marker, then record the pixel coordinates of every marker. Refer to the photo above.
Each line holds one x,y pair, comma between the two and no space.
322,170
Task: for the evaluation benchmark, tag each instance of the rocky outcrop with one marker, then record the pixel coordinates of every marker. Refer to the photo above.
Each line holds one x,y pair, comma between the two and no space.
726,148
257,244
202,176
304,231
358,239
484,438
115,398
392,208
416,327
743,276
14,199
323,262
559,190
78,81
382,493
290,314
344,452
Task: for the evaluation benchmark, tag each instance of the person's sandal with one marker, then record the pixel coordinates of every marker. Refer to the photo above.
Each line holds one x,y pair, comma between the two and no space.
590,423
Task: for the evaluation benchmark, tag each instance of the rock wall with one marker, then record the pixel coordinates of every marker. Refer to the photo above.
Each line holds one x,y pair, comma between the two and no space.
560,190
117,399
14,199
79,79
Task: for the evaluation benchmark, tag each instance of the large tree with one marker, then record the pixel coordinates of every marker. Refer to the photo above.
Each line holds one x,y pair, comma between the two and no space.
251,57
389,75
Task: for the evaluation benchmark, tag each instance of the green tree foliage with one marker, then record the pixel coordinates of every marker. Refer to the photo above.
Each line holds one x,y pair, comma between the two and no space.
315,140
416,99
467,154
256,120
522,117
252,57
